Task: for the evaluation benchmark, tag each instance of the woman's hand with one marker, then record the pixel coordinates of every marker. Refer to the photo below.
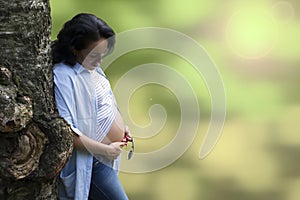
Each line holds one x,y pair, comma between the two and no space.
113,150
127,132
110,151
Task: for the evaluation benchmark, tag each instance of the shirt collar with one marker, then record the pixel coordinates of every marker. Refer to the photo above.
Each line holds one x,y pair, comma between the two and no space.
78,68
99,70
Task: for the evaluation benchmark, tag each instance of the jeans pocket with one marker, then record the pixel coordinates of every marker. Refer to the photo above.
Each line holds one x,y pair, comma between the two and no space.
69,183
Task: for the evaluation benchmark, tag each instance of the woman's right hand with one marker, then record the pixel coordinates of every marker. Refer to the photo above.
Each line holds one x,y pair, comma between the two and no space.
114,150
111,151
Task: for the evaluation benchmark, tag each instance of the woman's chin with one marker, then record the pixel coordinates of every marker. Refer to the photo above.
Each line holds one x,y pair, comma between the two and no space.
92,66
95,65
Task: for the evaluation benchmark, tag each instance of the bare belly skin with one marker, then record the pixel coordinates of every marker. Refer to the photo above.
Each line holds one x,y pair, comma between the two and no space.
116,132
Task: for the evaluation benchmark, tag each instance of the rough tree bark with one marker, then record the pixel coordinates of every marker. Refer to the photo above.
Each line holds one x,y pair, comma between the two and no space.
34,142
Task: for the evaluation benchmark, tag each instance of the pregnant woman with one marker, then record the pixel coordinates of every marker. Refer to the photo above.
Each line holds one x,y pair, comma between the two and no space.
85,100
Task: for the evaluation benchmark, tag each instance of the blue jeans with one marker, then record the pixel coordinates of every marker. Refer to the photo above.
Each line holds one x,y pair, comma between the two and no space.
105,183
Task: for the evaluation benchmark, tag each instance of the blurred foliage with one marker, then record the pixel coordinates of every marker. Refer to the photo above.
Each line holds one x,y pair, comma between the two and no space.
255,45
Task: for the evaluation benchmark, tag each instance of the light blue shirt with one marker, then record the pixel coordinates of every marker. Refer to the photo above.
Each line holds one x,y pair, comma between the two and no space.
76,102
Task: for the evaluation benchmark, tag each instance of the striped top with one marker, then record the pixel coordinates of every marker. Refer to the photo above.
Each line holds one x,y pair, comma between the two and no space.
106,104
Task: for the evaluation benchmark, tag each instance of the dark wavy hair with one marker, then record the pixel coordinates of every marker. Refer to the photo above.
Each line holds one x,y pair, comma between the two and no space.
77,34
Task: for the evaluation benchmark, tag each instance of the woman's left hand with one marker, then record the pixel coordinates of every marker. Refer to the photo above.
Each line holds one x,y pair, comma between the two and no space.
127,131
127,136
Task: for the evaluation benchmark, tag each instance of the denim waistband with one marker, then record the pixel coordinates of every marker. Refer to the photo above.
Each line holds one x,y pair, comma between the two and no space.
103,160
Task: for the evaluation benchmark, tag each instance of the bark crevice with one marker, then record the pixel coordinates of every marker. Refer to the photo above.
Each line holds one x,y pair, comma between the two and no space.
35,142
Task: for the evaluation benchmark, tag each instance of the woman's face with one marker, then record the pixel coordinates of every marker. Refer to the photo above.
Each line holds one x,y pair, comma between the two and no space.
91,56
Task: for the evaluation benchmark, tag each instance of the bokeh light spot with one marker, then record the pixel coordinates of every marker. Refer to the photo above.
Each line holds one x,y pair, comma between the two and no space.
251,33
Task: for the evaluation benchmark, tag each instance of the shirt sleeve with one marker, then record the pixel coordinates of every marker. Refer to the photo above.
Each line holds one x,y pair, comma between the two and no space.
65,100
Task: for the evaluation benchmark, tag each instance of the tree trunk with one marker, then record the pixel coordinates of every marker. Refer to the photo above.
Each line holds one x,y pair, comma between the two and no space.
34,142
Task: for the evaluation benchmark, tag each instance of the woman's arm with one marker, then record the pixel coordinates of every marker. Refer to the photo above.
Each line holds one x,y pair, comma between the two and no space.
64,102
111,151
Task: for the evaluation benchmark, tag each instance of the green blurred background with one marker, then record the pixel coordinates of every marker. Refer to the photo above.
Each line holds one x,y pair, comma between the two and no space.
255,45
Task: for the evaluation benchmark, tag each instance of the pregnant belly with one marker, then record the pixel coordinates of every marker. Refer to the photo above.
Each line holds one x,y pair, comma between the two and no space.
116,132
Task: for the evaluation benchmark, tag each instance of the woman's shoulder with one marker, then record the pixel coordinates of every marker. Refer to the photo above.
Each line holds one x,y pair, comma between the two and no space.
62,69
